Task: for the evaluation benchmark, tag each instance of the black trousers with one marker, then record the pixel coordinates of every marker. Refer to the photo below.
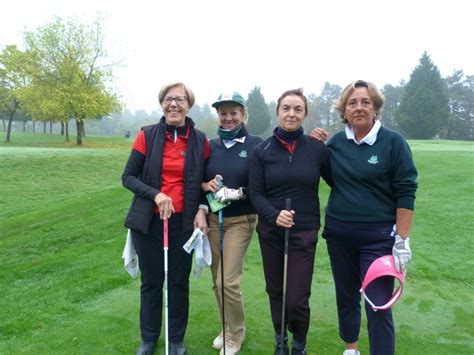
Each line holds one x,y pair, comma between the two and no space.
151,259
301,253
352,248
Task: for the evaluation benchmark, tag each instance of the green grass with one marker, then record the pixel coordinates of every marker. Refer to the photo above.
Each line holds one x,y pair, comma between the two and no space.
47,140
63,288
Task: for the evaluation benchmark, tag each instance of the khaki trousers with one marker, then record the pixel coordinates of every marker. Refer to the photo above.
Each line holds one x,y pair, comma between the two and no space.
237,233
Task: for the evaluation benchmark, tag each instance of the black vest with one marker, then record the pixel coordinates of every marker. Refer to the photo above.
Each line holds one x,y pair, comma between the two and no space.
141,211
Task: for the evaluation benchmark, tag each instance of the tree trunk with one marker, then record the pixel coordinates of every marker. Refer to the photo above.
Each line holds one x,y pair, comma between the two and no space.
79,128
62,128
4,125
11,112
24,126
67,131
83,128
51,127
44,127
34,126
9,128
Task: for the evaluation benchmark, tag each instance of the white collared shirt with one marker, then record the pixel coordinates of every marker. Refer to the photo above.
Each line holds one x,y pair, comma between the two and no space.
369,139
230,143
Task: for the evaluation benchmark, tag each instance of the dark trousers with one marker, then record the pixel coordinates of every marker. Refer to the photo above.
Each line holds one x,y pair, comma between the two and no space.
352,248
151,259
301,252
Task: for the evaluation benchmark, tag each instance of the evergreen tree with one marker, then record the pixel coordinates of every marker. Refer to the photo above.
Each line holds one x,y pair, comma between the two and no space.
195,113
205,119
272,105
423,109
259,116
392,100
327,115
209,121
312,120
273,120
461,106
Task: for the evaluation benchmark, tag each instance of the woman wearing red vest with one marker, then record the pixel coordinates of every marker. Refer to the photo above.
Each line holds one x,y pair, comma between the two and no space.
164,171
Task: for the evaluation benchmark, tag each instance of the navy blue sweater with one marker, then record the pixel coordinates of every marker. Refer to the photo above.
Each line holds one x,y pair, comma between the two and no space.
276,174
233,165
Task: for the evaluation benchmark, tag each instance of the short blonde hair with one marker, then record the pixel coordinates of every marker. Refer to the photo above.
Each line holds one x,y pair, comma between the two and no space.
374,93
176,84
234,104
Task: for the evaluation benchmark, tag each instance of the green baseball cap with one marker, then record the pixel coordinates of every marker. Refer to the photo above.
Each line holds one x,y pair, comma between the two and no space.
229,97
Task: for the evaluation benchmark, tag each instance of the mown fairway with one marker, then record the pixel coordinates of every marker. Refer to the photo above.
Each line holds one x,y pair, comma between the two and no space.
63,289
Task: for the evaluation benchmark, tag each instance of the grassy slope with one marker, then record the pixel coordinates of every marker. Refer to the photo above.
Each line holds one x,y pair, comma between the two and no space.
63,288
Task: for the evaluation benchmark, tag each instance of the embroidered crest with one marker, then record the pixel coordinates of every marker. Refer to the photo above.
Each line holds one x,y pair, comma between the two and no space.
373,160
243,154
182,153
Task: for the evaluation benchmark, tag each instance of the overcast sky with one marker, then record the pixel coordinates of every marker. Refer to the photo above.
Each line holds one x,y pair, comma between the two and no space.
218,45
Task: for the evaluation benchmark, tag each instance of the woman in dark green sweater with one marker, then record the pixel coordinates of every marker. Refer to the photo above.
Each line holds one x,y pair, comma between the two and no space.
369,212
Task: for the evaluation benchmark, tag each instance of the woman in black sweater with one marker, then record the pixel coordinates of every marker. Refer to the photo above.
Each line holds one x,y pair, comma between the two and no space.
289,165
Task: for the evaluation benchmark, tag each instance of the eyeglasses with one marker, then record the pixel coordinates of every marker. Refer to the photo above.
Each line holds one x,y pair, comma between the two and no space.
180,100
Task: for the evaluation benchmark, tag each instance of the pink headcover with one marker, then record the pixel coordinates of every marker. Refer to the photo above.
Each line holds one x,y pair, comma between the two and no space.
383,266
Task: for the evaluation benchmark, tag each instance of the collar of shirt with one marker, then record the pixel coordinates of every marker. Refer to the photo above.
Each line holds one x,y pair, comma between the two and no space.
173,133
230,143
369,139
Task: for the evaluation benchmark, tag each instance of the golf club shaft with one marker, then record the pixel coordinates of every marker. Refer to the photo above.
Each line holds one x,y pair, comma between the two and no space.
165,249
221,246
285,274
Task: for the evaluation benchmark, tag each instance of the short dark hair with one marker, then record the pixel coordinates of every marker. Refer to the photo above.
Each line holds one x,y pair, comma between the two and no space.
295,92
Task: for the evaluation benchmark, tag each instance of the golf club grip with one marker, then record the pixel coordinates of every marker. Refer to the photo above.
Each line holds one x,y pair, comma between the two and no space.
287,230
165,233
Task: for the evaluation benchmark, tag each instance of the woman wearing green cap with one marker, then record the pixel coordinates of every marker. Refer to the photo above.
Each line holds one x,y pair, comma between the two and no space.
226,174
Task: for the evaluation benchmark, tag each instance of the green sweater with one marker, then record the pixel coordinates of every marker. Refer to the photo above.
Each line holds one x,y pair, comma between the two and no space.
371,181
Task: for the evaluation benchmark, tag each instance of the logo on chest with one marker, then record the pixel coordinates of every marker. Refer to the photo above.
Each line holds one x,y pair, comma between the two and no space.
243,154
373,160
182,153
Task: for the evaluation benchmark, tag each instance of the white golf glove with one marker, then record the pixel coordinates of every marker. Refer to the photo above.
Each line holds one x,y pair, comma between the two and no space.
225,194
401,253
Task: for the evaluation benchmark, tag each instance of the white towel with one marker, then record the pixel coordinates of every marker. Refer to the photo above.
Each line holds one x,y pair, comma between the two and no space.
130,257
200,243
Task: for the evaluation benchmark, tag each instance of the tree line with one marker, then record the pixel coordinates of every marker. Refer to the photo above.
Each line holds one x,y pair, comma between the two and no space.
427,106
62,77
